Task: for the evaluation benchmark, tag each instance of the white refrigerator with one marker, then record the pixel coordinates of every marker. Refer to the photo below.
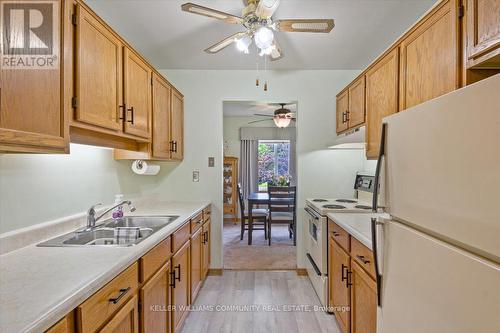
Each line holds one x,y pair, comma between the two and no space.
438,256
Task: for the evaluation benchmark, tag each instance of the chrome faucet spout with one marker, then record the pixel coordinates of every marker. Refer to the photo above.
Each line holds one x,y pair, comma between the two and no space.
92,219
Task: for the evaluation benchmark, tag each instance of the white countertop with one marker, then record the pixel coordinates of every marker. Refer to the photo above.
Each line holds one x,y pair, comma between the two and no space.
357,225
40,285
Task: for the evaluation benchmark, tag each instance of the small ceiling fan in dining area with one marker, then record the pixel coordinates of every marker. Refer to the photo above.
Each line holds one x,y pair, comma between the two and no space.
259,24
282,117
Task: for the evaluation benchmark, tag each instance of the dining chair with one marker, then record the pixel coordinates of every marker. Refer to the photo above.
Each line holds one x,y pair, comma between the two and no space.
259,216
282,209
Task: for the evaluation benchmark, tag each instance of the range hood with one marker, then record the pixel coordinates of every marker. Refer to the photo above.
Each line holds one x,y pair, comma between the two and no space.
353,140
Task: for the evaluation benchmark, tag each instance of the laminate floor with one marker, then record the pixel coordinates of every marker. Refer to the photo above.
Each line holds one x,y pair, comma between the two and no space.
258,302
238,254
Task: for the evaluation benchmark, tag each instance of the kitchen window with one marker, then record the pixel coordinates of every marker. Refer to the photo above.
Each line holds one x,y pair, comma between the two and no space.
273,163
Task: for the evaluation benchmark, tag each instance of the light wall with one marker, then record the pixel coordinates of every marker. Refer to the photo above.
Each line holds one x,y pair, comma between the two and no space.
321,172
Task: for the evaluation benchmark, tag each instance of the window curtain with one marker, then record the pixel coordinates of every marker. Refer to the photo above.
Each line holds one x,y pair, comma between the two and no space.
248,167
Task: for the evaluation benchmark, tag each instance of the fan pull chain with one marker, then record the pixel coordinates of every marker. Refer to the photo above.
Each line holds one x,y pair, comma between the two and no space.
265,71
257,82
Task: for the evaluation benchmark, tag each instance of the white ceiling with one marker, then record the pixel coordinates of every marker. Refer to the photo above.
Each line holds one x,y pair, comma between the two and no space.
173,39
249,108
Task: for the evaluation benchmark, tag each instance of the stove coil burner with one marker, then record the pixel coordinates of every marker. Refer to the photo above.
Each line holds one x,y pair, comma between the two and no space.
363,207
320,200
346,200
333,206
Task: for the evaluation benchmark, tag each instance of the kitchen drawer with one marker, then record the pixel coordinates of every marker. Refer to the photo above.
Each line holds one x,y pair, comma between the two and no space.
180,237
98,308
340,235
363,256
196,222
154,259
207,212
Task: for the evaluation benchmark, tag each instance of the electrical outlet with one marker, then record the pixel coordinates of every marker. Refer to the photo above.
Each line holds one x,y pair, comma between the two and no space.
211,162
196,176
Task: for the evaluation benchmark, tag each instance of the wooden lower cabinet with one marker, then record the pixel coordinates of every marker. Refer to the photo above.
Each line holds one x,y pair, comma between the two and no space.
126,319
339,290
179,280
205,253
363,301
65,325
196,262
155,302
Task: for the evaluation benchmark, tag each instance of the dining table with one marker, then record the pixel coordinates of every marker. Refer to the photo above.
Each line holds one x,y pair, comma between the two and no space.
260,198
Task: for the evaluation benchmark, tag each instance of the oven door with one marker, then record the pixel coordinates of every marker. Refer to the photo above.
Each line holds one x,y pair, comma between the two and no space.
314,241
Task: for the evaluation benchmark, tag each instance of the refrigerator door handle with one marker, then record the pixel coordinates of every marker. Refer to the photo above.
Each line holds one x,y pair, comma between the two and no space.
376,187
378,275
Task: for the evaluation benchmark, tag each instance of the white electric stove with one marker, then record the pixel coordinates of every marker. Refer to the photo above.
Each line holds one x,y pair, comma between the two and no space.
316,244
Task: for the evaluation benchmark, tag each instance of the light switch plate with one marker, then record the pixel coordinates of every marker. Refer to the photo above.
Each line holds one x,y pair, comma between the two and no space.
196,176
211,162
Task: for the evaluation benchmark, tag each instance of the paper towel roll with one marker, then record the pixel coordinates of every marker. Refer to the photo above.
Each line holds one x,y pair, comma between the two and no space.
140,167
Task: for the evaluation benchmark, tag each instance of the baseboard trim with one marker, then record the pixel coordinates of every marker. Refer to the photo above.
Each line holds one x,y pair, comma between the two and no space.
215,271
301,272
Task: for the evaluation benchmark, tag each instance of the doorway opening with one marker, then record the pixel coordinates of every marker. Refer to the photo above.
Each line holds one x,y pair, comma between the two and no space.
257,155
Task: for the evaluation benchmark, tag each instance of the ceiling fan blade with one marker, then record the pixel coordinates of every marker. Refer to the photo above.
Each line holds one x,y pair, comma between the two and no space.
258,121
205,11
305,25
224,43
266,8
262,115
277,52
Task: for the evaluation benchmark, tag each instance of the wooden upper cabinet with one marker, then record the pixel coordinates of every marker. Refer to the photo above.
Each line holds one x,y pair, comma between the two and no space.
430,57
162,98
32,100
180,286
177,121
483,33
356,109
339,290
125,320
137,87
98,75
342,110
381,98
363,301
155,298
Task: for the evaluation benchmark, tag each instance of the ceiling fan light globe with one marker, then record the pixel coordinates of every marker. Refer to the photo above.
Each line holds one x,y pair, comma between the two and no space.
243,44
264,38
281,122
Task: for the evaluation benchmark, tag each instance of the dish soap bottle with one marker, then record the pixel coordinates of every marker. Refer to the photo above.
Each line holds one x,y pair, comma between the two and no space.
118,211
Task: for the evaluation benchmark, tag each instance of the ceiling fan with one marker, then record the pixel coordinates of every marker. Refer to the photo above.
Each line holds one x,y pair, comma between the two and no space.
259,25
282,116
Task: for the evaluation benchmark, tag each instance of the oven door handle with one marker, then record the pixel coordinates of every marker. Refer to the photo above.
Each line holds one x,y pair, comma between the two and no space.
311,260
310,212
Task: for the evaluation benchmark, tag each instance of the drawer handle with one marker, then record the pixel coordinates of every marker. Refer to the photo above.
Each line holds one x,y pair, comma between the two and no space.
363,259
336,234
122,293
344,268
199,221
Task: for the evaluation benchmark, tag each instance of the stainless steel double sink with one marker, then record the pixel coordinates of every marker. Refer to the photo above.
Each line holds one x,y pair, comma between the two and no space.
104,233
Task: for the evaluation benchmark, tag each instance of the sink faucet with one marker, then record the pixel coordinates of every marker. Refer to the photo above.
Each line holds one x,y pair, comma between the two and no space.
91,219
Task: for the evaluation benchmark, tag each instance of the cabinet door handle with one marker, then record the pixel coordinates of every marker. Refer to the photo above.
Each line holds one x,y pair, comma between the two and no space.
120,296
178,268
172,146
343,117
172,279
347,279
347,118
175,146
122,112
344,267
363,259
131,109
